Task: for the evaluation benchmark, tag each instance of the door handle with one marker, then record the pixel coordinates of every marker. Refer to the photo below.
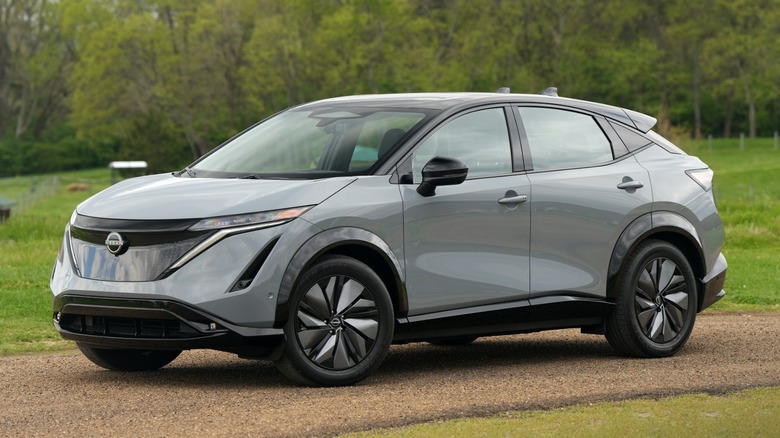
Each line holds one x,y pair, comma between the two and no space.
628,185
519,199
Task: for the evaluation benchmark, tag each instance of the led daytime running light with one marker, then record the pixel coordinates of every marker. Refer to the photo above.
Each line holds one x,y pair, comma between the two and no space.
249,219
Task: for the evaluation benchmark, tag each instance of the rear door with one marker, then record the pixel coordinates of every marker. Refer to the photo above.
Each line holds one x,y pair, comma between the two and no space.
585,190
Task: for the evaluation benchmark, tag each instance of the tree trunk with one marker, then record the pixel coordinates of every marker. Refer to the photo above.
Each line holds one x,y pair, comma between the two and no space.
198,145
27,107
696,95
729,116
5,56
752,118
751,111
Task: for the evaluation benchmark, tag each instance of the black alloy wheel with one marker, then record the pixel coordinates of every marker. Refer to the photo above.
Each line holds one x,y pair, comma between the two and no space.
340,326
656,302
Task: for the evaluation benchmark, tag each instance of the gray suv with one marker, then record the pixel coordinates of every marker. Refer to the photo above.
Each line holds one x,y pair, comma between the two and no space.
327,232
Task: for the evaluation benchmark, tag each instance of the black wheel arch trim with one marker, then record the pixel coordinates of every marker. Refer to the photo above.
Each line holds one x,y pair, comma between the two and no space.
646,226
329,241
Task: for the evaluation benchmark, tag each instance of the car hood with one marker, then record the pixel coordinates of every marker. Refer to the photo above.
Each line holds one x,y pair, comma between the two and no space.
165,196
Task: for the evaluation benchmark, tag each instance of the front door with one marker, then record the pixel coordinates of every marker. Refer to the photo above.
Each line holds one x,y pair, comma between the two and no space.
468,245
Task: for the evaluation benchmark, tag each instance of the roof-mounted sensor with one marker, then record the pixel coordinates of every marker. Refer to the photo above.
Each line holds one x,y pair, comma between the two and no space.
550,91
503,90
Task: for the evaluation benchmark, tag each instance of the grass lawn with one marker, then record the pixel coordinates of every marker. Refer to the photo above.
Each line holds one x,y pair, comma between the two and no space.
747,191
28,246
753,413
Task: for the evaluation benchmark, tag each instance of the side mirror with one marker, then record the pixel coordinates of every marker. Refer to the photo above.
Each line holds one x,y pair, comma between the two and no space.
441,171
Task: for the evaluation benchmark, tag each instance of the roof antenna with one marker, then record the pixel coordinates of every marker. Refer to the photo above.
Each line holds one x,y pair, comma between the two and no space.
550,91
503,90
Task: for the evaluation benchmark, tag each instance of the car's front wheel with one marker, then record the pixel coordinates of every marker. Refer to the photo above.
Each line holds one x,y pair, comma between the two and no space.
128,359
340,324
656,302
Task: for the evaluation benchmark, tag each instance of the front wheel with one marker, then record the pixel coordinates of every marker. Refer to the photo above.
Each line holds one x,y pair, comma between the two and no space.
656,302
340,324
128,360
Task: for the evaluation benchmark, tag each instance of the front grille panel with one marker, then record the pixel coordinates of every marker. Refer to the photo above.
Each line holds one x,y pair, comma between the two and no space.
128,327
149,251
138,263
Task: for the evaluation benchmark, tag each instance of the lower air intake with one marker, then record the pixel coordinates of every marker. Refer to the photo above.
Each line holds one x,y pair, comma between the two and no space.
128,327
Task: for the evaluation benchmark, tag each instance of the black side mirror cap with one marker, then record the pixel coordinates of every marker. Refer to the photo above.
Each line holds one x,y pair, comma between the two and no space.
441,171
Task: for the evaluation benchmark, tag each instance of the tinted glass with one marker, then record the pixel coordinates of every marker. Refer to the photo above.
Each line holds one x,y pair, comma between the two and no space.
479,139
562,139
631,138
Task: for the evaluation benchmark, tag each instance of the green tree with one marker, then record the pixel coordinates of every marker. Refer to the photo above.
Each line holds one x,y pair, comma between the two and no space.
33,66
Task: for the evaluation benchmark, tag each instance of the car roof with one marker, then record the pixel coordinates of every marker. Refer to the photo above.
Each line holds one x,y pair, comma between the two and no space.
444,101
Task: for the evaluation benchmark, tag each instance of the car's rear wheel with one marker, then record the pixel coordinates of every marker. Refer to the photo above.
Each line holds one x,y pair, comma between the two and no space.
128,359
656,302
340,324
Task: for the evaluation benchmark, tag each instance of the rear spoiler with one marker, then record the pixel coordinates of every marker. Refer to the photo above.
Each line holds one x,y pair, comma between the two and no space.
642,122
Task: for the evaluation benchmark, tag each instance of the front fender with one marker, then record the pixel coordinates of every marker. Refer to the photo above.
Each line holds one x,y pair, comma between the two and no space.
328,241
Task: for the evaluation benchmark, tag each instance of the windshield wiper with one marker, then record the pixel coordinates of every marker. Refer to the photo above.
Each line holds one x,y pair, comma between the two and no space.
186,170
260,176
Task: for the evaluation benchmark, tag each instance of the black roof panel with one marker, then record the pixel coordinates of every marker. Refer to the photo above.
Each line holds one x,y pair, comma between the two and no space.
443,101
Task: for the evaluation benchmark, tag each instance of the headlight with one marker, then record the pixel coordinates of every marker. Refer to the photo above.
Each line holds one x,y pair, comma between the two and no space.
240,223
242,220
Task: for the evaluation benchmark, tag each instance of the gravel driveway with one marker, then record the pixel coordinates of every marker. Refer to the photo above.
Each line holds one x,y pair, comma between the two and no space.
205,393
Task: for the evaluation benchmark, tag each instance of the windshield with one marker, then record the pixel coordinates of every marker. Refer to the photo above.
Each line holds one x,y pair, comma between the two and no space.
311,144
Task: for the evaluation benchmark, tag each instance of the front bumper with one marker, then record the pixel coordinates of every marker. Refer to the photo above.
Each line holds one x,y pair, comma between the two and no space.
157,325
712,284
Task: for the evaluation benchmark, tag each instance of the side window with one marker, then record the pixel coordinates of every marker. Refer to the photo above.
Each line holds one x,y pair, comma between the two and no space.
379,135
480,139
560,139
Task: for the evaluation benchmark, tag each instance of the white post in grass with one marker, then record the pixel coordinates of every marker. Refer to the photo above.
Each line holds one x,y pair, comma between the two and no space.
776,140
742,141
709,142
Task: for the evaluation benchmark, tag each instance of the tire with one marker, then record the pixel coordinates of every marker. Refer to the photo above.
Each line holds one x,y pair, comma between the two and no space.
340,324
656,302
450,342
129,360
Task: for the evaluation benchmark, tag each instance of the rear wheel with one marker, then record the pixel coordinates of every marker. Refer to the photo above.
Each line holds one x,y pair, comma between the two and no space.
340,324
129,360
656,302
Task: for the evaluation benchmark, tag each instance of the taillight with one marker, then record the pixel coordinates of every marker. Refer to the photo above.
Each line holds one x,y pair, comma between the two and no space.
703,177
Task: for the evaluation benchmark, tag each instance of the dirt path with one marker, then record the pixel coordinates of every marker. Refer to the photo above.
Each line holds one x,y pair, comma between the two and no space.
206,393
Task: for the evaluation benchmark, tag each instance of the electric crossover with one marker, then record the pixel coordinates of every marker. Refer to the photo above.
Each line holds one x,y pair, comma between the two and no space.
325,233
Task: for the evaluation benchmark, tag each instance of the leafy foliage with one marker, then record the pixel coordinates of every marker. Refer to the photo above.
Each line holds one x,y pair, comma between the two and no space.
167,80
